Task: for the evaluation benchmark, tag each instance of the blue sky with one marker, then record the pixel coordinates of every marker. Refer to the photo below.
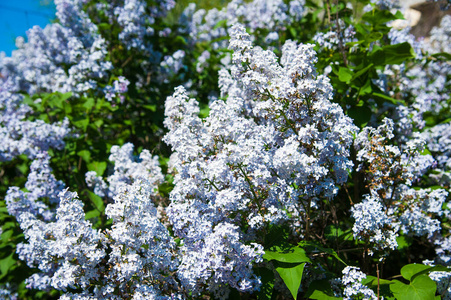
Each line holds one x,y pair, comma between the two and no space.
17,16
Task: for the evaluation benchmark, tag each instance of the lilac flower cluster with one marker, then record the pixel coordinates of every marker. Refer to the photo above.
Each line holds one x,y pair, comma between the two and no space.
20,136
265,155
333,38
424,84
393,206
119,88
256,15
136,19
66,57
353,287
373,225
41,184
134,258
127,170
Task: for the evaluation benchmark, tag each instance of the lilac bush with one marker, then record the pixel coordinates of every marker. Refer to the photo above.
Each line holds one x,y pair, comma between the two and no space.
263,149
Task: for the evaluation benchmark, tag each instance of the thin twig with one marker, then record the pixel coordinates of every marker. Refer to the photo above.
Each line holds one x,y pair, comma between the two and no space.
378,284
340,40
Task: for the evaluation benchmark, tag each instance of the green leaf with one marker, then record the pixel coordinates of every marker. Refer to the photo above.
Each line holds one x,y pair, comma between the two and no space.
92,214
292,278
150,107
421,288
267,286
360,114
393,54
221,23
362,71
7,263
377,17
403,242
315,248
97,201
98,166
104,26
411,271
408,271
396,54
204,112
373,36
89,103
66,96
292,255
333,233
320,290
6,235
85,154
180,39
444,55
387,98
81,123
345,75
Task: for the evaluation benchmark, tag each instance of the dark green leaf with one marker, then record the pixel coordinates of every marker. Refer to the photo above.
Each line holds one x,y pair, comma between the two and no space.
387,98
221,23
98,166
444,55
150,107
292,278
7,263
320,290
410,271
373,36
267,286
421,288
360,114
344,74
98,202
292,255
89,103
85,154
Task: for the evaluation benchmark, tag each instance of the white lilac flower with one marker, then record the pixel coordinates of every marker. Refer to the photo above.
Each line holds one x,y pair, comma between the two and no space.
373,225
274,146
127,170
41,184
256,15
21,136
353,287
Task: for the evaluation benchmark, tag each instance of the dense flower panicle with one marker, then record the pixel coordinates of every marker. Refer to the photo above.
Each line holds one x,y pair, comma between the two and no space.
119,88
142,253
41,64
20,136
72,55
41,184
127,170
372,224
391,172
7,291
440,39
275,144
353,287
66,251
425,83
438,142
332,39
136,19
135,256
256,15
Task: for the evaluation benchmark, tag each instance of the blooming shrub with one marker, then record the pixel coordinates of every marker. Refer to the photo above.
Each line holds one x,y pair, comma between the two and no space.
295,150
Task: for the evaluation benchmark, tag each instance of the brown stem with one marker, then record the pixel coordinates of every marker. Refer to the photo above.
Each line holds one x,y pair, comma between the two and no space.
340,39
378,283
328,10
